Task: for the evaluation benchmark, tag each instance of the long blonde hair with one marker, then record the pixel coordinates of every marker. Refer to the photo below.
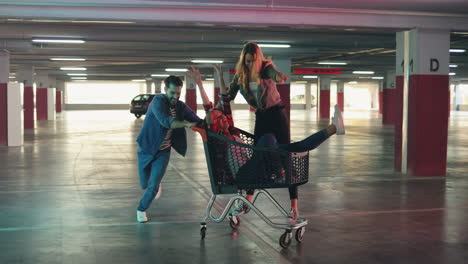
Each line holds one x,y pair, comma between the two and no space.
243,71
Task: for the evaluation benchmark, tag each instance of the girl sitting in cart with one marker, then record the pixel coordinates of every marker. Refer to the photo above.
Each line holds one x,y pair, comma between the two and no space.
220,121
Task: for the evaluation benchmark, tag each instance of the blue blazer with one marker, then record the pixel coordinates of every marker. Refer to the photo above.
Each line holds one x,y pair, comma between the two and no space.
157,122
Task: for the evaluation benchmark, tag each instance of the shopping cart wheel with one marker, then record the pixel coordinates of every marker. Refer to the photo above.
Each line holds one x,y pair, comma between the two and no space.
285,239
234,221
300,234
203,232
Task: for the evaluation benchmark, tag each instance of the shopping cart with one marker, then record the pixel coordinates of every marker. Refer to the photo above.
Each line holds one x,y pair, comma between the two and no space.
236,166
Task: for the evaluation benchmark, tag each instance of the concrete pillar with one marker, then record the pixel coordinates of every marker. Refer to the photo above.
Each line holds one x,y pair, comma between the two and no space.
25,75
428,102
458,98
389,97
191,94
4,78
157,86
60,85
51,96
324,97
340,95
149,82
15,133
398,100
380,97
308,96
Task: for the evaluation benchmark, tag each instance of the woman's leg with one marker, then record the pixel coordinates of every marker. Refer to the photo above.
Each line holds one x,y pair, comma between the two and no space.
311,142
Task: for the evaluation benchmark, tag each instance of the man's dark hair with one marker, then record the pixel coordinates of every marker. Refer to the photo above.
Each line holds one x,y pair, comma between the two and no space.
176,81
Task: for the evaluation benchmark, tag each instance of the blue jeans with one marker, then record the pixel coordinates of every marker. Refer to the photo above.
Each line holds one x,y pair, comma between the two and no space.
151,170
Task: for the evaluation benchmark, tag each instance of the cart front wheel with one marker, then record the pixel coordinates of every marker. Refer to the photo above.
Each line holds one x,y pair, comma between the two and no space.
300,234
234,221
203,232
285,239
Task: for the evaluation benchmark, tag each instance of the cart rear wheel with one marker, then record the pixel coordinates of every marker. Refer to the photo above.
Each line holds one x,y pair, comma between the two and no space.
285,239
234,221
203,232
300,234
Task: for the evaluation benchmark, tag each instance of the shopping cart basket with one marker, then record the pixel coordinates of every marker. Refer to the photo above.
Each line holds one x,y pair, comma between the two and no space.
235,166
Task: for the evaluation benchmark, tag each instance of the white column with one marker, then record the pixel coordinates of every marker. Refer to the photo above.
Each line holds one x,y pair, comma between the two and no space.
149,82
15,115
157,86
308,96
51,104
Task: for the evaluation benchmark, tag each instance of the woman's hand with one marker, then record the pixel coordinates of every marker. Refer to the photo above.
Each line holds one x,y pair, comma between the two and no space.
282,78
195,75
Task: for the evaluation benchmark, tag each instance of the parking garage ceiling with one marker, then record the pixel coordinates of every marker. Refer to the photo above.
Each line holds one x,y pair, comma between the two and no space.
136,48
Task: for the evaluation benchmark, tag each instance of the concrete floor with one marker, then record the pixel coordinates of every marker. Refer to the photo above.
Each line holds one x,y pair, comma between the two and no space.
70,195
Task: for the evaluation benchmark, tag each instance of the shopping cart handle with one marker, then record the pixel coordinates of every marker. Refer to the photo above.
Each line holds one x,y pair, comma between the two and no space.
202,132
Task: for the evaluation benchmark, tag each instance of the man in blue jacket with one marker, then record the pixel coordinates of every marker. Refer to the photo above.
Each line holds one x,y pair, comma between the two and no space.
162,129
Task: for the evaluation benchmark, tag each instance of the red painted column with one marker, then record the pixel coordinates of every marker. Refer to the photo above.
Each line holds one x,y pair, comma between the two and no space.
4,77
191,94
28,104
427,103
428,124
324,107
3,114
58,101
340,95
41,103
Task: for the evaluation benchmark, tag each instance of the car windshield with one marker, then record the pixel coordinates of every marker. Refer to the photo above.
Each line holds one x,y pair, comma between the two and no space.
142,97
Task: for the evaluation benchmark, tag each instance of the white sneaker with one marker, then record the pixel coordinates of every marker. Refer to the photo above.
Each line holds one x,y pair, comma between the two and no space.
293,215
159,193
141,217
337,120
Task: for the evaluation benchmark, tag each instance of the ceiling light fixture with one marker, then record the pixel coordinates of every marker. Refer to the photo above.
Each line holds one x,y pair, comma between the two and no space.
310,76
352,82
139,80
66,41
67,59
176,70
363,72
457,50
452,73
207,61
159,75
265,45
453,66
378,78
332,63
72,68
79,78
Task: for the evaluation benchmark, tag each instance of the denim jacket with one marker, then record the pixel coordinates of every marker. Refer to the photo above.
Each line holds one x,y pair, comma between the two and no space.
157,122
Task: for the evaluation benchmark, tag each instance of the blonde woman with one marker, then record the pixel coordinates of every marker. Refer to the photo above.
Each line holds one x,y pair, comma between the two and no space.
256,80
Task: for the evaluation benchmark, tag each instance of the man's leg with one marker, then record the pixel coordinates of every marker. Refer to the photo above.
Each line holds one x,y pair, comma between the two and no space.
158,168
144,168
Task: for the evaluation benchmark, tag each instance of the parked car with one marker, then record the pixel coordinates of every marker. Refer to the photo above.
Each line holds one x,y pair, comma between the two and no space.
140,104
